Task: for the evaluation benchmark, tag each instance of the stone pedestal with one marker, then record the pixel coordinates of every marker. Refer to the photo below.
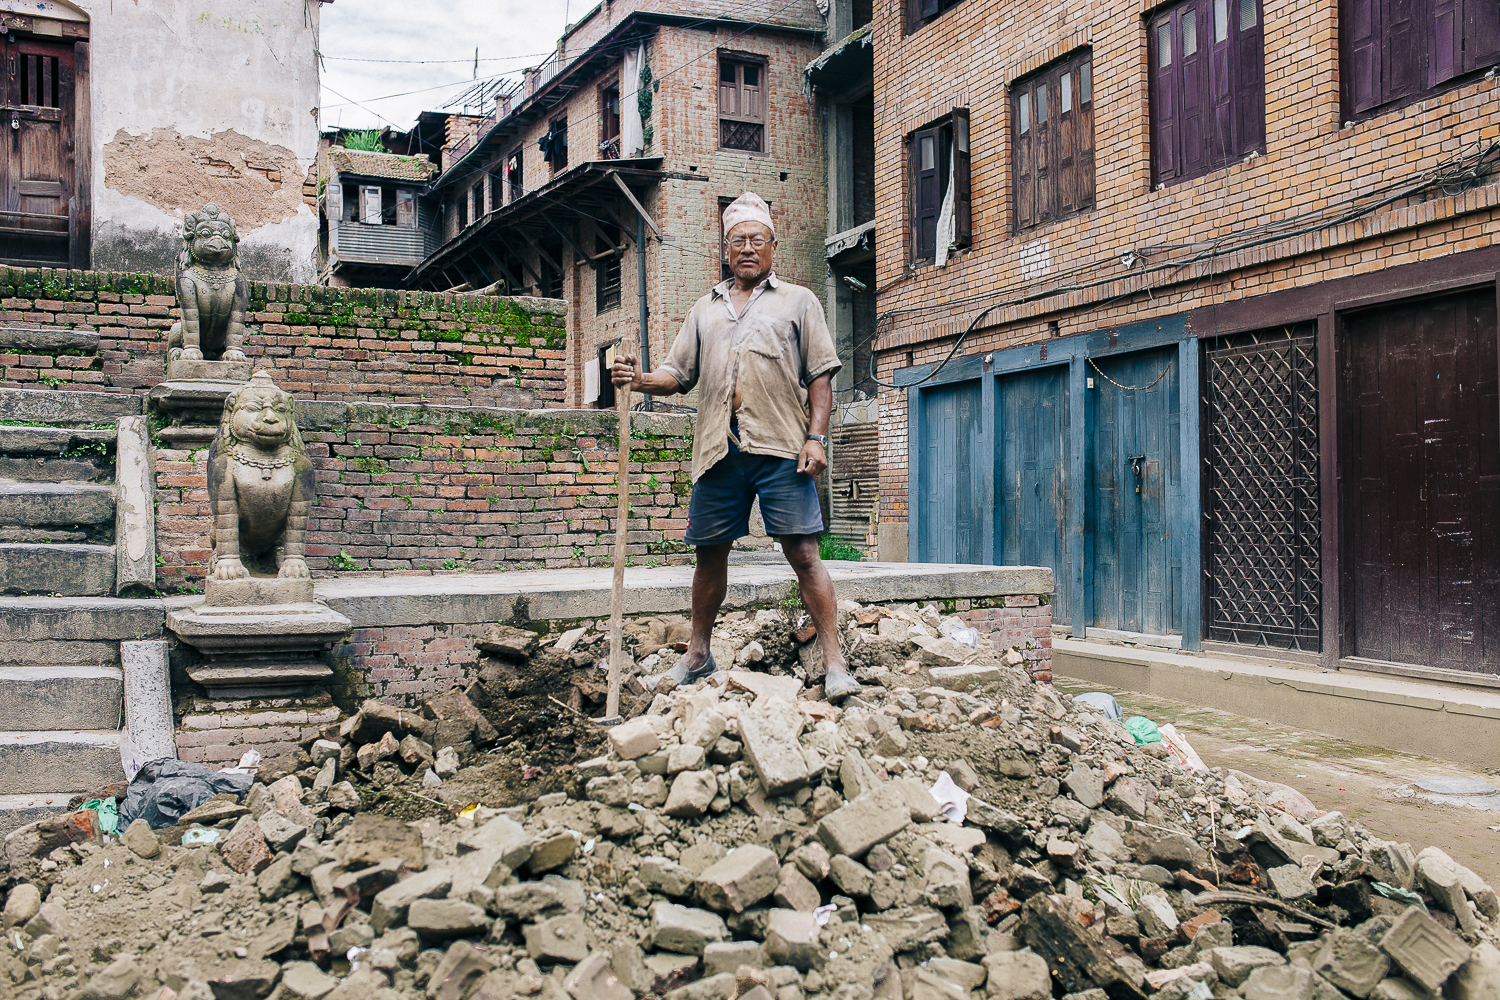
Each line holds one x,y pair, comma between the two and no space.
258,650
195,405
211,371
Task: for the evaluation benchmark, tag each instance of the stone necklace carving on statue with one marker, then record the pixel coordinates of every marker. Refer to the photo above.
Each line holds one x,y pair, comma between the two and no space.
266,465
217,278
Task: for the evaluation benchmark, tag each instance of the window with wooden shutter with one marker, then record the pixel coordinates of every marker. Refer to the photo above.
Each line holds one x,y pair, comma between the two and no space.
406,208
919,12
937,156
369,204
513,177
742,104
607,277
1399,51
1207,86
1052,159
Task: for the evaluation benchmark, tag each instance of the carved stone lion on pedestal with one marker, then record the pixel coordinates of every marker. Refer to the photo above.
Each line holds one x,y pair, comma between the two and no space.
260,486
212,292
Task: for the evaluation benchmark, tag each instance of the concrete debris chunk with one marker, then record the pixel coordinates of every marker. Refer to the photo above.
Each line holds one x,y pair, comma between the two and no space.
685,930
742,878
1422,949
770,736
869,820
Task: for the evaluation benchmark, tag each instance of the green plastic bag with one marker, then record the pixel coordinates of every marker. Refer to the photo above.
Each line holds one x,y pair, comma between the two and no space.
1143,729
109,814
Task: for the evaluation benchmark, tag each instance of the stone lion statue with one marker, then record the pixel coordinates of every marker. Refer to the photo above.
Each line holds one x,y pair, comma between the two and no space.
211,291
260,486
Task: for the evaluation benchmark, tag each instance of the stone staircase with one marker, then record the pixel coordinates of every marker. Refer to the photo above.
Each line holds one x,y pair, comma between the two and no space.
75,531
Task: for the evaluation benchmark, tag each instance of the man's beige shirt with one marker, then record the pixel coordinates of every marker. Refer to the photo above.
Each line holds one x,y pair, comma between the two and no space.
772,351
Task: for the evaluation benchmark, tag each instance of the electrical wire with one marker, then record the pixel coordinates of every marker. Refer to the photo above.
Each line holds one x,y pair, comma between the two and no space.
431,62
1463,171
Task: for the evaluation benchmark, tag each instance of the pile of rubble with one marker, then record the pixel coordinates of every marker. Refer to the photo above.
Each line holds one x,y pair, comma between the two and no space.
956,830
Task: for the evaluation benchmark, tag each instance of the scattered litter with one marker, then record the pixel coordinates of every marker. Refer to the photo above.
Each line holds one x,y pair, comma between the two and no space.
1103,701
953,802
968,636
1143,729
165,790
108,812
200,836
823,913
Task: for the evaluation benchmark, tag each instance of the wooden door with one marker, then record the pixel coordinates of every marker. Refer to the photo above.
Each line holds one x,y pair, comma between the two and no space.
1033,433
1421,482
1137,487
954,498
37,165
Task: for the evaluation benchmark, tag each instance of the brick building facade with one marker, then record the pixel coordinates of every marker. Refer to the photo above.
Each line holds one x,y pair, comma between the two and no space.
1215,332
548,195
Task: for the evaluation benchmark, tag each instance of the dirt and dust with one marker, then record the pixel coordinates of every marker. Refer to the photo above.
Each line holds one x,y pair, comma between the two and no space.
955,830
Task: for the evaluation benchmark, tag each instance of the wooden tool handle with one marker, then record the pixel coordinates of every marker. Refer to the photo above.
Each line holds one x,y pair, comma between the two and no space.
622,518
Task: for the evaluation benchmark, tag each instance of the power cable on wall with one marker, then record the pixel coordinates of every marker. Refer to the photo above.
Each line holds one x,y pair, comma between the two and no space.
1460,173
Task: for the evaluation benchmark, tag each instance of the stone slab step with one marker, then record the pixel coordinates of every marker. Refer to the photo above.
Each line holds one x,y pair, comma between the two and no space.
18,810
48,406
16,441
52,652
73,570
69,761
78,620
57,468
31,505
47,340
39,698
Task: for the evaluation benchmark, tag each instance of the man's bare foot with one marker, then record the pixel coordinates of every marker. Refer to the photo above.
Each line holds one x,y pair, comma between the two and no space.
839,684
681,673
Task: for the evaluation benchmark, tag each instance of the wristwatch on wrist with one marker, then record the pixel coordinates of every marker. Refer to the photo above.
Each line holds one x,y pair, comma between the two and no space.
822,440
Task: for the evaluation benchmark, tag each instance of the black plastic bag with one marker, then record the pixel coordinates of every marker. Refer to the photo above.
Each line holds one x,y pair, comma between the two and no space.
165,790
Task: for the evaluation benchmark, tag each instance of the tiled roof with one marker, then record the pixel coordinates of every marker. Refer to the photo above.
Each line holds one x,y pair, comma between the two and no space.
401,168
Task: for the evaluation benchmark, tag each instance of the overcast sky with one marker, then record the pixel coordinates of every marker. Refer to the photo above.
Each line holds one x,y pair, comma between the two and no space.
509,34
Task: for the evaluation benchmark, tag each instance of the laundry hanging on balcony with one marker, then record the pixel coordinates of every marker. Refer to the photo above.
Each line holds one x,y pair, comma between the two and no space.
554,145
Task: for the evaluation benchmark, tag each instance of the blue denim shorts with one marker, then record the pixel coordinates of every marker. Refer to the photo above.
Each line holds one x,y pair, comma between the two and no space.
719,511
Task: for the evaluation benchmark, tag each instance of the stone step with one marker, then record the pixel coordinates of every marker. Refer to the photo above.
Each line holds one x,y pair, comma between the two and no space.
60,696
35,505
47,340
71,622
16,440
71,570
68,761
57,469
58,407
18,810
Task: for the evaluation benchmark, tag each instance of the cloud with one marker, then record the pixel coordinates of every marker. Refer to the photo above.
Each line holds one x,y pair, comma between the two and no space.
509,35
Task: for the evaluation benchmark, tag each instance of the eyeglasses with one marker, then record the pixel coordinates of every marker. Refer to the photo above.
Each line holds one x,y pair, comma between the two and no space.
741,242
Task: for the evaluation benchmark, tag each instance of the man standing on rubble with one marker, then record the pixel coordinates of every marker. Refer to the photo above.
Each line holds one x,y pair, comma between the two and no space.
758,350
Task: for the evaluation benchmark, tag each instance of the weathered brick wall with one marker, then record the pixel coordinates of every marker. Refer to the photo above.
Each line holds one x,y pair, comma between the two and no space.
1071,271
1022,622
317,342
218,732
428,489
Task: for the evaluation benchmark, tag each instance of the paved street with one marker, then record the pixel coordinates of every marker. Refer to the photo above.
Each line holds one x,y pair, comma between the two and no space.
1361,781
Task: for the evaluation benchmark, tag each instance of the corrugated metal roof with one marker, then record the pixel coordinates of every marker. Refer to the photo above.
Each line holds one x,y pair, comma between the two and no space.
416,169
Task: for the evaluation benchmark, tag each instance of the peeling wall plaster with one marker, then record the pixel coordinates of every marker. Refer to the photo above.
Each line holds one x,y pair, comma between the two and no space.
204,101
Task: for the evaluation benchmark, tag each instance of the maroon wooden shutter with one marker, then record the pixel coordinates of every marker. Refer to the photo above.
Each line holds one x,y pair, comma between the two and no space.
1042,124
1022,167
963,215
1221,143
1066,143
1481,34
1085,133
1192,39
1445,58
926,191
1161,50
729,89
1361,25
1249,68
1402,40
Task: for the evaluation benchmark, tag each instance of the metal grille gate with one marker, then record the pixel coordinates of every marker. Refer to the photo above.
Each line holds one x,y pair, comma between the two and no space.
1262,518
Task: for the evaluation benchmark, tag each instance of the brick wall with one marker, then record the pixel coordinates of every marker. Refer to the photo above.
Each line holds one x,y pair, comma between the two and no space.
1071,272
428,489
218,732
317,342
1022,622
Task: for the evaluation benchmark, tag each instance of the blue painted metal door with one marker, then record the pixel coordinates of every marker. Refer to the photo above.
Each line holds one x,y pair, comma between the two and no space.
1137,485
1032,413
952,476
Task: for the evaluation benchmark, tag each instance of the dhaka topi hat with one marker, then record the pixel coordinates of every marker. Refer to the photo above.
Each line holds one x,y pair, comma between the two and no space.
748,207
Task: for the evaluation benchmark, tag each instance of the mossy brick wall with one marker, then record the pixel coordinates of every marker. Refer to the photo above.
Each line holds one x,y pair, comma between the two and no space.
423,489
351,344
